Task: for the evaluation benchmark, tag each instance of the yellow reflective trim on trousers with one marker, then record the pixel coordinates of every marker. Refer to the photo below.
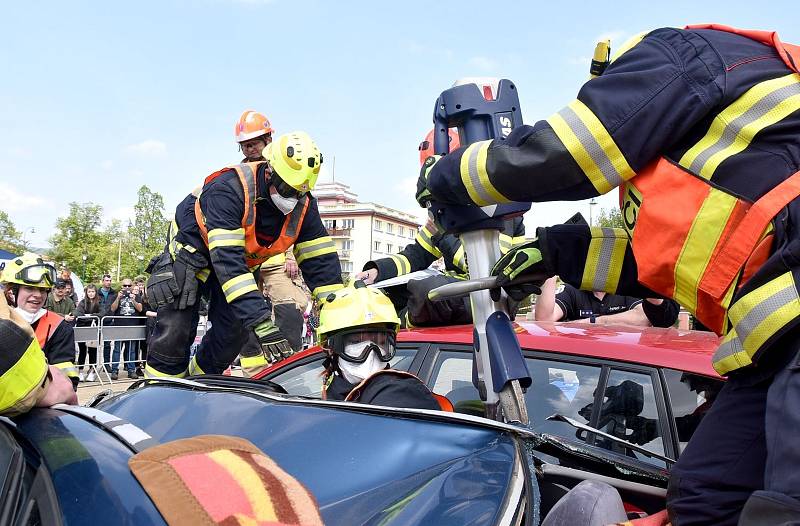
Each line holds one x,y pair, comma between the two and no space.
425,239
26,375
628,44
706,229
236,287
458,259
314,248
733,129
591,146
150,372
194,368
219,237
604,259
253,361
67,368
402,264
322,291
476,178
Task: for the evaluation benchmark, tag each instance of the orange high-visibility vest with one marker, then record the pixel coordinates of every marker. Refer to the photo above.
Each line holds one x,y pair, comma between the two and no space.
699,249
45,326
255,254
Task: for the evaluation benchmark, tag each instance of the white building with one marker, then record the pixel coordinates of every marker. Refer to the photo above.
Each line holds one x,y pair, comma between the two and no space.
362,231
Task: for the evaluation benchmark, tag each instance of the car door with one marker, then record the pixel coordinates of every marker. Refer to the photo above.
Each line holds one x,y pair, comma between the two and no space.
626,399
303,377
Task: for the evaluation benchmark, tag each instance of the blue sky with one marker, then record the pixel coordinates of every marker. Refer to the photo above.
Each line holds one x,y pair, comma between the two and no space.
97,99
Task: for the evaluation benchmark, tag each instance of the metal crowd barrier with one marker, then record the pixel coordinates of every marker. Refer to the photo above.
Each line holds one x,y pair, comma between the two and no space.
102,330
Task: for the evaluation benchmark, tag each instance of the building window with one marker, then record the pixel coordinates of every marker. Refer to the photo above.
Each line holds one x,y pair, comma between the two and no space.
379,225
377,246
347,244
389,228
348,223
347,266
389,248
401,231
330,224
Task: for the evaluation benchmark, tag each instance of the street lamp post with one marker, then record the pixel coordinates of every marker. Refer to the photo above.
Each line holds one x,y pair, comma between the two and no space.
592,204
84,257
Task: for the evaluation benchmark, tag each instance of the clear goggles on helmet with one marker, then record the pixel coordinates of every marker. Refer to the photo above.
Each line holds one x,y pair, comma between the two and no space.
362,342
40,274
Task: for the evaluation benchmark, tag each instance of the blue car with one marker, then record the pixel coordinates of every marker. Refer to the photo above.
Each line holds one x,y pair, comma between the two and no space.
363,464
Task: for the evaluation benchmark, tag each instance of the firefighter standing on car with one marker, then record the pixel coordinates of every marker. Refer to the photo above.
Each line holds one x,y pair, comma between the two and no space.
430,244
700,128
221,234
31,279
358,331
253,132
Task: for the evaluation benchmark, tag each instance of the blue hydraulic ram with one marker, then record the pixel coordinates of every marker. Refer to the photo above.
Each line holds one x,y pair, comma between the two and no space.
484,109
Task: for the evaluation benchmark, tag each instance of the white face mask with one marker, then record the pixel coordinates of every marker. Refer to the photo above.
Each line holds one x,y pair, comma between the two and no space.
30,317
284,204
356,372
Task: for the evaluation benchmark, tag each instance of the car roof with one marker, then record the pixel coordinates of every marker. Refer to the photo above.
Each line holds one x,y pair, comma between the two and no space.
689,351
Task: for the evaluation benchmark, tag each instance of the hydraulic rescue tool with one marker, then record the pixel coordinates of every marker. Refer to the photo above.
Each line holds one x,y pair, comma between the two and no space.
482,109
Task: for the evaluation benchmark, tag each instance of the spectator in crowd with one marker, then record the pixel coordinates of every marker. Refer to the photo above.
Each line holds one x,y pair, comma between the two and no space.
66,275
149,323
59,302
88,306
572,304
127,303
106,295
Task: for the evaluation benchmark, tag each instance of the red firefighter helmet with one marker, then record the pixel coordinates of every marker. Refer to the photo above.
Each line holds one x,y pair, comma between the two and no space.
426,146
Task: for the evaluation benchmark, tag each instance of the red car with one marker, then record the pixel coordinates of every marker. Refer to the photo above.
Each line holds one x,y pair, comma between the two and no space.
648,386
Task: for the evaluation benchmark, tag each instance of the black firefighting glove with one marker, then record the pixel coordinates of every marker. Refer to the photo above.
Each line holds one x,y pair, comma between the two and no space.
521,271
423,195
274,345
161,285
187,265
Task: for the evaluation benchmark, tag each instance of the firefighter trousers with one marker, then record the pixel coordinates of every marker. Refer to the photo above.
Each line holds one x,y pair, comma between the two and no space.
745,447
176,329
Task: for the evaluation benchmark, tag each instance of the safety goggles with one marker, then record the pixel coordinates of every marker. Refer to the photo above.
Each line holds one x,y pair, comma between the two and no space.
283,188
363,342
41,274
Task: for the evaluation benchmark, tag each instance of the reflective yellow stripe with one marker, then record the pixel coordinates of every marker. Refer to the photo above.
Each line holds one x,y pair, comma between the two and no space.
173,245
604,259
458,258
203,274
755,318
402,264
253,361
518,240
425,239
701,240
194,368
219,237
476,179
67,368
591,146
26,375
734,128
149,372
314,248
505,243
322,291
241,284
628,44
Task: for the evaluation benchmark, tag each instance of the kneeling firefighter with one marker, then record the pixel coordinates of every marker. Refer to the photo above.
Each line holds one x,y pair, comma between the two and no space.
221,234
358,328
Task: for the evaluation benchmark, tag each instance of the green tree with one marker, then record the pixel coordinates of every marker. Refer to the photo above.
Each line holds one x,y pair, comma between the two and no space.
147,233
610,218
79,234
10,237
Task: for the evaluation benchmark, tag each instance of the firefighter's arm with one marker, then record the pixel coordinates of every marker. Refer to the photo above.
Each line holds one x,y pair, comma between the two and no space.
651,95
316,255
60,351
223,208
547,309
592,258
416,256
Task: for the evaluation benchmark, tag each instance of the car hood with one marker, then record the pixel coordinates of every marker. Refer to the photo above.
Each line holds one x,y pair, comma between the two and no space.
363,467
